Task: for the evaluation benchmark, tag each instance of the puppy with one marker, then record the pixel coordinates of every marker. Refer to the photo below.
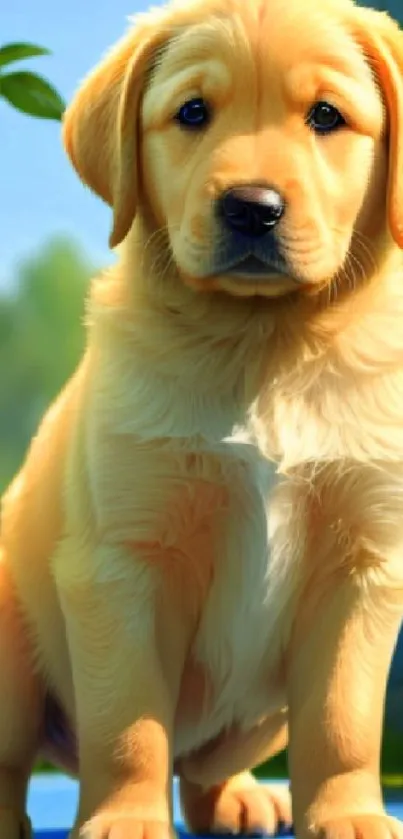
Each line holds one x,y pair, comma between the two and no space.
204,547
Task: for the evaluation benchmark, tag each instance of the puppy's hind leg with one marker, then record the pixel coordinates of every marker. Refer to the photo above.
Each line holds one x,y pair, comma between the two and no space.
20,713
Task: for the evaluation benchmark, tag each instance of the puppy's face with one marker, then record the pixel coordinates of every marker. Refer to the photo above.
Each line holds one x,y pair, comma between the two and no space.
261,146
263,152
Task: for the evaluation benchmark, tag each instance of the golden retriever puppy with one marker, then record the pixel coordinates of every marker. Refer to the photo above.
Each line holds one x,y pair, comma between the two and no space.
204,547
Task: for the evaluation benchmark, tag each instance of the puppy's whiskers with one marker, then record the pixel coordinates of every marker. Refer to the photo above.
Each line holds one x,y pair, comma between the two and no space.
365,245
162,234
157,252
352,263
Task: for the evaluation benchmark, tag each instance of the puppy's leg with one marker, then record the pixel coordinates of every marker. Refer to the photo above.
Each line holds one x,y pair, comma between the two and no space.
126,691
340,657
20,713
218,796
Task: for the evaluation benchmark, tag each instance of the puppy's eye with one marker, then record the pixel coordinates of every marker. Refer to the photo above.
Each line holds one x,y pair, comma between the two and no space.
324,118
194,114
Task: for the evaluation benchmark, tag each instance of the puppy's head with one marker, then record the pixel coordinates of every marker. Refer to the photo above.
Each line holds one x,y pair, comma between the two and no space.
266,143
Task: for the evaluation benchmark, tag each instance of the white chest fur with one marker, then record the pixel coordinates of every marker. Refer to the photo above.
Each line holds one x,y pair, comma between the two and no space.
182,470
235,629
190,487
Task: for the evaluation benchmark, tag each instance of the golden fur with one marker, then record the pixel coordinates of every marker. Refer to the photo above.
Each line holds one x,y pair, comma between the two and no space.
205,543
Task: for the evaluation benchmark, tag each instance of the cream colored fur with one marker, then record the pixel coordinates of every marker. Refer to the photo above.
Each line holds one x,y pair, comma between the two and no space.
204,545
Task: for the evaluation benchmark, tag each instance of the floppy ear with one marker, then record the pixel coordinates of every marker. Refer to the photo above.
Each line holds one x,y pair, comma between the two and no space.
101,126
382,41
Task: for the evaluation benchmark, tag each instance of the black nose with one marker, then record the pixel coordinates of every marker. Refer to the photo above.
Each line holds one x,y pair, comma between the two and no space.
251,210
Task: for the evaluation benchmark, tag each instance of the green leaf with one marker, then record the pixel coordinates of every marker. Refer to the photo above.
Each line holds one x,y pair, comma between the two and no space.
19,51
32,94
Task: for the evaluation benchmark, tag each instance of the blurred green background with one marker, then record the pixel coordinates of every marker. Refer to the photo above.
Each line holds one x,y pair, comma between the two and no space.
41,339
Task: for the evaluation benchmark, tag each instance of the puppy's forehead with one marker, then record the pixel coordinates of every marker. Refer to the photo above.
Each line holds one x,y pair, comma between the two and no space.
271,35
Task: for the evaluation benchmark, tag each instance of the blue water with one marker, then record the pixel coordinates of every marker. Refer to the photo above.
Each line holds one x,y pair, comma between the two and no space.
52,802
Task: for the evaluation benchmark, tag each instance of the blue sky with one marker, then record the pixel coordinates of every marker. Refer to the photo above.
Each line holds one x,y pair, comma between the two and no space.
40,195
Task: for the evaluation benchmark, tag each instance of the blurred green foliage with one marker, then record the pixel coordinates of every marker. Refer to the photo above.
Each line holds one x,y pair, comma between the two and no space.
41,339
394,7
27,91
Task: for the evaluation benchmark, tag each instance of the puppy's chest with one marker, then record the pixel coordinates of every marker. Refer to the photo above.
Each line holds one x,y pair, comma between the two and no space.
204,511
225,681
165,490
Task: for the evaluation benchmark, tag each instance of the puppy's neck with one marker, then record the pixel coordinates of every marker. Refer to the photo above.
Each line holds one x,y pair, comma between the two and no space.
337,393
203,360
185,363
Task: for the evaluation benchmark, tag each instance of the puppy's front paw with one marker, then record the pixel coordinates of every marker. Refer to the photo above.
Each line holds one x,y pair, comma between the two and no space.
124,825
239,806
357,827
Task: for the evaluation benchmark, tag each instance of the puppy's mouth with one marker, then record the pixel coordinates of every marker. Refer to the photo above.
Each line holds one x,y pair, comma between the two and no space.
259,263
258,269
244,266
252,274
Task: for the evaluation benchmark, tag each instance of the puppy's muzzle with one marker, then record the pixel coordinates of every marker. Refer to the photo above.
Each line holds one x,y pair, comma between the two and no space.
248,217
251,211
